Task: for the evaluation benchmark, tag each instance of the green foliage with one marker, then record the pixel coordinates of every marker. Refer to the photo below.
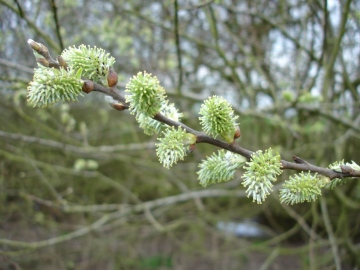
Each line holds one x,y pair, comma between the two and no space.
218,118
173,146
261,171
94,62
146,96
302,187
50,85
220,167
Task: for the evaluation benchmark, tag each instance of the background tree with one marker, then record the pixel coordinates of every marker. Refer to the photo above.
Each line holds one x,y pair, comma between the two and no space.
290,71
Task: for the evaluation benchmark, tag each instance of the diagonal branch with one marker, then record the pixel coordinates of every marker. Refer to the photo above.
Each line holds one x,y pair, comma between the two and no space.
178,49
32,25
57,24
297,165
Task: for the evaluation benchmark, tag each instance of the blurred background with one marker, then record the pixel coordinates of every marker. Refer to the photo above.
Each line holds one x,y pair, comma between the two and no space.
81,186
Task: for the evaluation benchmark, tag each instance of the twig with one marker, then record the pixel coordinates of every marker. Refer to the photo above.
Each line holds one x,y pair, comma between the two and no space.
349,170
274,25
16,66
197,6
50,167
214,30
183,197
330,232
300,220
45,180
120,212
178,49
270,259
140,206
57,24
150,217
334,54
111,91
330,116
77,149
56,240
39,31
21,12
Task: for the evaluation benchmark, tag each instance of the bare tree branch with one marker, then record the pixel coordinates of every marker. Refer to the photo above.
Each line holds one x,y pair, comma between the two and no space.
57,24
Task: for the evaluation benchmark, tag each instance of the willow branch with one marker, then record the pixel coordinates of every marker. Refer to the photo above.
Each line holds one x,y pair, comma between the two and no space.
111,91
297,165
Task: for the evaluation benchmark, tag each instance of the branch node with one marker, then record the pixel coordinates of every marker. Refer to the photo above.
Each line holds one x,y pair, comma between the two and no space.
299,160
348,170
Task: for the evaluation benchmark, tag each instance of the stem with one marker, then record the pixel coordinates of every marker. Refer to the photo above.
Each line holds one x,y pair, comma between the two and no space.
297,165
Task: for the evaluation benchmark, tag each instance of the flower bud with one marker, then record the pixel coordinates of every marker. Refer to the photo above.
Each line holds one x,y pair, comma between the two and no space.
118,106
43,62
34,45
38,47
112,78
237,133
62,61
191,148
189,139
88,86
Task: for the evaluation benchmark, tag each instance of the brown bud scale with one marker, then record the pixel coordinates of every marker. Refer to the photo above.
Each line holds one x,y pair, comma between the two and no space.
62,61
112,78
43,62
237,133
118,106
88,86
